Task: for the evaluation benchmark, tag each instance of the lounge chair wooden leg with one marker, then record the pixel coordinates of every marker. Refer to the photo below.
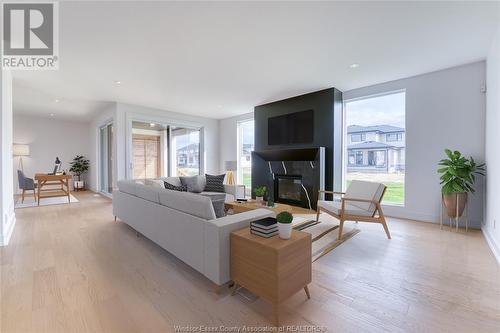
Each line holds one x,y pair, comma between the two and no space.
317,214
341,227
384,224
115,218
22,197
34,195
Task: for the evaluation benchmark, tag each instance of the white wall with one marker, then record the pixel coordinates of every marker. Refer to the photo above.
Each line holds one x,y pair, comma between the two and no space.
444,109
7,215
491,227
228,149
49,138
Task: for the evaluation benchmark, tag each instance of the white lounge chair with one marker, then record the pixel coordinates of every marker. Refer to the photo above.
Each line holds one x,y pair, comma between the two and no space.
360,203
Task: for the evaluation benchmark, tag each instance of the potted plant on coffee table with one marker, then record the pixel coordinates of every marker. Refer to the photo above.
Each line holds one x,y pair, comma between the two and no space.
79,166
458,175
259,194
284,224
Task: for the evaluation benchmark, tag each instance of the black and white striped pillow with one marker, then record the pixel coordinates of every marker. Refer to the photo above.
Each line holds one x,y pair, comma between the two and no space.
182,188
214,183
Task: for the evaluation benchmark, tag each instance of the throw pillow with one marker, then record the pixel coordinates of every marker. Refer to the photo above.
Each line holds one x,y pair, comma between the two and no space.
214,183
168,186
217,202
154,183
194,184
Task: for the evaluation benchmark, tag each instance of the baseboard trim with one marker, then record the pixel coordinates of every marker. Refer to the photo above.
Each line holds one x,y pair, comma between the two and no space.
495,249
5,239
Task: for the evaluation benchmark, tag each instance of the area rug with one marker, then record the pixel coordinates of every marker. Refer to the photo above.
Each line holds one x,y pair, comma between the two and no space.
30,201
325,235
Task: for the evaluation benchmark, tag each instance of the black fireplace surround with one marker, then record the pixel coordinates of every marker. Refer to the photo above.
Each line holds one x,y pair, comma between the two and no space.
317,162
292,176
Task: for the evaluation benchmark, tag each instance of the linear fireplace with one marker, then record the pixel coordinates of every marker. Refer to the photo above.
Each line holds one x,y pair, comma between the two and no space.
292,176
288,189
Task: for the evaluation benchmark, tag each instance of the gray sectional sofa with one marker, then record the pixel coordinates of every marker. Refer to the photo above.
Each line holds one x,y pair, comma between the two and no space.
182,223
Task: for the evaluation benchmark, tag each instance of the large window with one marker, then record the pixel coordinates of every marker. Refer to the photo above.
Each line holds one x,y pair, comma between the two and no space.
375,143
245,148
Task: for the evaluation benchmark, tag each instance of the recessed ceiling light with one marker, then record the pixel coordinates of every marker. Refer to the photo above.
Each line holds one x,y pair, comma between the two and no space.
152,125
56,100
118,82
52,115
355,65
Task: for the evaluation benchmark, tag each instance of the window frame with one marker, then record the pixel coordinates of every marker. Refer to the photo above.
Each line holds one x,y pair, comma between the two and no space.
362,137
399,137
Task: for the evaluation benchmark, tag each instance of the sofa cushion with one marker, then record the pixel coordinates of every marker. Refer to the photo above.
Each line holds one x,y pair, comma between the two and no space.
195,184
128,186
218,200
189,203
214,183
149,193
168,186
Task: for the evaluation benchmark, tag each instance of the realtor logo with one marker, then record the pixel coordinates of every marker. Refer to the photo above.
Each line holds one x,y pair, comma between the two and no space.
30,36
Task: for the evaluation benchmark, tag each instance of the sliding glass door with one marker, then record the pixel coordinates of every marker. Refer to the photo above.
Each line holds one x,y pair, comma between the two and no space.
185,151
161,150
106,152
149,155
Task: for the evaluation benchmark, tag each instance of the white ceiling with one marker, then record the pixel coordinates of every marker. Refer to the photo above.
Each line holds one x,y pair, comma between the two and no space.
220,59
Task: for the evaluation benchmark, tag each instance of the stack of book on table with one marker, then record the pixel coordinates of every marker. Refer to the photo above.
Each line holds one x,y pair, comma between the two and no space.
267,227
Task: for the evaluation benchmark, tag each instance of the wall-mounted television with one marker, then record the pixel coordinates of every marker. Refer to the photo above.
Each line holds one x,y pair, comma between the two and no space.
291,128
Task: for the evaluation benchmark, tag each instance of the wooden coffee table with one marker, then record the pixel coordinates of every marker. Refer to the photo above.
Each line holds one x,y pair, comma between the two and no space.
240,207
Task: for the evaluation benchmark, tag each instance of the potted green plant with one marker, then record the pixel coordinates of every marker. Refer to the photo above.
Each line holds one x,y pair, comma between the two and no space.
270,202
284,224
79,166
458,175
260,191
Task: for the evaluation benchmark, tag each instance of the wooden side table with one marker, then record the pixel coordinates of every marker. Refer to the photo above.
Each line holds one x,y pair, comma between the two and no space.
271,268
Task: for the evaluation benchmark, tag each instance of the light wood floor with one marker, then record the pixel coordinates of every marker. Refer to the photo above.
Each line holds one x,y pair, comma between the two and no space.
70,268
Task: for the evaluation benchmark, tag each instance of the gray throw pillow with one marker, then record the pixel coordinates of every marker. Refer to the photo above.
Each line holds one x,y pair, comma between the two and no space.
195,184
214,183
217,202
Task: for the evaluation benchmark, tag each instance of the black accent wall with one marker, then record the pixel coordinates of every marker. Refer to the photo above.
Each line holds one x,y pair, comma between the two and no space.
327,105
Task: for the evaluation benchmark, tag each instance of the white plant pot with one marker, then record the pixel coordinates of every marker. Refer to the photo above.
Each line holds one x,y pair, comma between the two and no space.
260,200
78,184
285,230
